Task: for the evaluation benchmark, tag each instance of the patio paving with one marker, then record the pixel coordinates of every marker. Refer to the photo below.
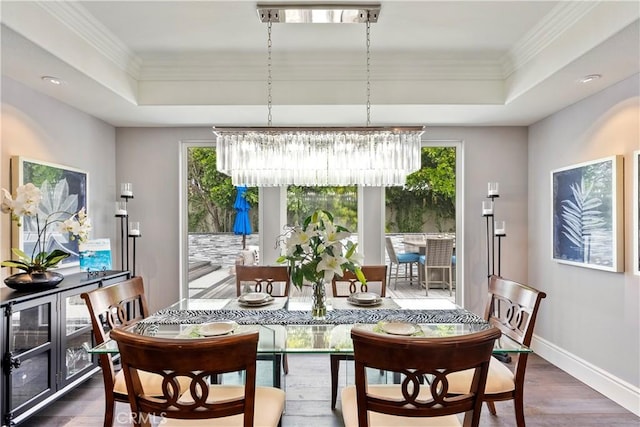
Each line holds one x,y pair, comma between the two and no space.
215,254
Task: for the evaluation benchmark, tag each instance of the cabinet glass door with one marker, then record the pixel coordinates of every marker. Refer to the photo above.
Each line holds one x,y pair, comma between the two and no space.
78,337
30,352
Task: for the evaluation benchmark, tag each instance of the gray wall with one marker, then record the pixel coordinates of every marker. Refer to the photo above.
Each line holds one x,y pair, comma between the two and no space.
41,128
496,154
149,158
590,318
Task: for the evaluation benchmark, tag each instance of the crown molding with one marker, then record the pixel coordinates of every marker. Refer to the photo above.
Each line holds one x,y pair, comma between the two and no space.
75,17
559,20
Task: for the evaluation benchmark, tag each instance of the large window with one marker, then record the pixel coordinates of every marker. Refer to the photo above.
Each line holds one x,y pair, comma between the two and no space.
427,203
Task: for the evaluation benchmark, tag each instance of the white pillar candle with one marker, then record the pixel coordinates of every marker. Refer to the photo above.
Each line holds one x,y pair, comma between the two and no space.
487,207
134,228
500,228
492,189
121,208
126,189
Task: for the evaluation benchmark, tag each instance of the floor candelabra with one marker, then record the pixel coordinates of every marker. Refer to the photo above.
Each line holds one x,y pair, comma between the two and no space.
128,230
495,230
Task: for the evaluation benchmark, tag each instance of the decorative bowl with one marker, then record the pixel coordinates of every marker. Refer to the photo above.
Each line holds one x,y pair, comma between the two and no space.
32,282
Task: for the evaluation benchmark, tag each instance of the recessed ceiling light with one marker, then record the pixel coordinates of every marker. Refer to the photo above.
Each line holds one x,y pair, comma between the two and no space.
52,80
590,78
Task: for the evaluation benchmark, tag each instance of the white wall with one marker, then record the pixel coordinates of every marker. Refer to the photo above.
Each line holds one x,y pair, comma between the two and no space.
41,128
588,325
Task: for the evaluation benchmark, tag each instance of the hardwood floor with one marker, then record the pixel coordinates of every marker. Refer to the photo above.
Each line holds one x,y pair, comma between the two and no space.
552,399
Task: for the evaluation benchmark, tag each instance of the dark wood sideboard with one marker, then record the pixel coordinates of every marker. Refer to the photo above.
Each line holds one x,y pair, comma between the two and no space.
44,340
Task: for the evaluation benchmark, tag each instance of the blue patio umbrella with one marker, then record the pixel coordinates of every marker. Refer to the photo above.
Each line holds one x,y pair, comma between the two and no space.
242,225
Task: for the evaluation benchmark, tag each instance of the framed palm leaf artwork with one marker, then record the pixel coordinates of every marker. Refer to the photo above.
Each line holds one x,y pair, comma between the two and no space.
64,192
587,214
636,212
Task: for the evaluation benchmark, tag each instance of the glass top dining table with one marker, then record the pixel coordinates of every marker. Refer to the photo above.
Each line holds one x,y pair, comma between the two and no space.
287,327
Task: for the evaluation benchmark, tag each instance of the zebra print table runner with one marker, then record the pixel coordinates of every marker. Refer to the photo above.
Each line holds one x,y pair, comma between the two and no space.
334,317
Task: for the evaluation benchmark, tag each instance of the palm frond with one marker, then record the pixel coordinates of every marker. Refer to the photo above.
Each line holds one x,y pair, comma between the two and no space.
581,215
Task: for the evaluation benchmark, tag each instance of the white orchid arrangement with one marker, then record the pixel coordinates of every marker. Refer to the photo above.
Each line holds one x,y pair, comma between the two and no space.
319,250
26,204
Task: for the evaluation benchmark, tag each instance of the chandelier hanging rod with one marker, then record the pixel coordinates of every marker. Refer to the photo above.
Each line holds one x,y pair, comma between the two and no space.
318,155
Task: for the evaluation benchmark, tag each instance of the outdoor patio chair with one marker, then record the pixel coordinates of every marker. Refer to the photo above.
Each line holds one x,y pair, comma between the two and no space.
406,259
438,259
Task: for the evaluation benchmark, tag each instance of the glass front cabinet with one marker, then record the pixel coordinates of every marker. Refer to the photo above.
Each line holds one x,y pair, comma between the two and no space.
30,358
76,337
44,343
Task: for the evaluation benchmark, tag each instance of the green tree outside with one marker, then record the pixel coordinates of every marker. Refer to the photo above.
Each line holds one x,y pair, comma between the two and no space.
211,195
428,195
427,201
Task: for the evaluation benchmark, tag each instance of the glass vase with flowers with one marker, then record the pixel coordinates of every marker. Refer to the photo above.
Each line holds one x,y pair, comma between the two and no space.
37,264
316,252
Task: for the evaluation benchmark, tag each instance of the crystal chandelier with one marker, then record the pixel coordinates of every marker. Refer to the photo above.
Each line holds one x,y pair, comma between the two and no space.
318,156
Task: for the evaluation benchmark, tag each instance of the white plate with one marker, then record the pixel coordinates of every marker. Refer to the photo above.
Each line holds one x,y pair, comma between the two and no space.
254,297
399,328
267,301
365,297
217,328
369,303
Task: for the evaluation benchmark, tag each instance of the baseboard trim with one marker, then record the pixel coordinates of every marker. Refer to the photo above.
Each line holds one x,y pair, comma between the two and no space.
623,393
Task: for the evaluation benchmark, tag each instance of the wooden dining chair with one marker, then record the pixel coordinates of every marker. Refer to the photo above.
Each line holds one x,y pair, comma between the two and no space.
118,305
348,283
513,308
343,287
424,365
274,280
203,404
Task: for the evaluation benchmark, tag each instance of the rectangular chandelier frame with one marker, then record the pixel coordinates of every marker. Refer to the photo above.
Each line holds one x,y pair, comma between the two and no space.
318,13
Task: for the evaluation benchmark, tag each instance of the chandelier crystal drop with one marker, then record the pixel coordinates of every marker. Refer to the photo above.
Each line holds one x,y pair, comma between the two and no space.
318,156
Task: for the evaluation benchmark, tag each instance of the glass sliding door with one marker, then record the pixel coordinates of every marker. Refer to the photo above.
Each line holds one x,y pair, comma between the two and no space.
212,246
424,208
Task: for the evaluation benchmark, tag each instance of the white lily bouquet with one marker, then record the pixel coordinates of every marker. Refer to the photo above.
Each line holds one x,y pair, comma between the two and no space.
316,252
